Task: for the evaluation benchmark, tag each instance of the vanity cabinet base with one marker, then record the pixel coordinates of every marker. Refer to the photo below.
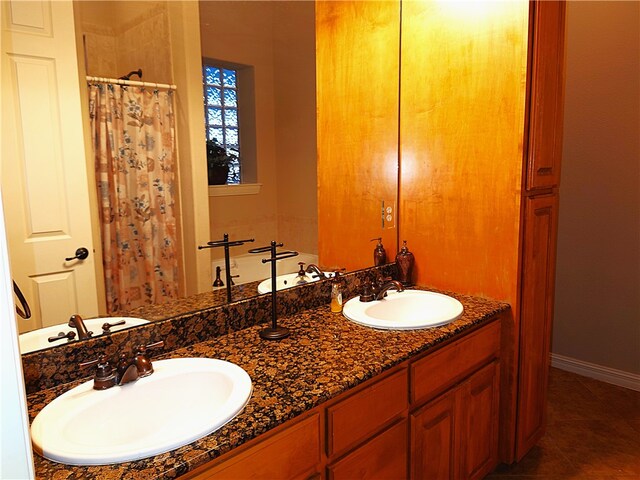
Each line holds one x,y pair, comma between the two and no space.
434,416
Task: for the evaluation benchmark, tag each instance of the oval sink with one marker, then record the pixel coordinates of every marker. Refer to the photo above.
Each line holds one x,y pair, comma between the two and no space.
288,280
38,339
408,310
183,400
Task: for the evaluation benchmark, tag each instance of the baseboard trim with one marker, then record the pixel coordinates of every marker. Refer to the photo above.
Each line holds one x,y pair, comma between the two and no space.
604,374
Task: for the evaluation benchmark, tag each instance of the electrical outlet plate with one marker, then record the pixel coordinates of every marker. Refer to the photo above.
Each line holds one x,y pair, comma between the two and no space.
388,213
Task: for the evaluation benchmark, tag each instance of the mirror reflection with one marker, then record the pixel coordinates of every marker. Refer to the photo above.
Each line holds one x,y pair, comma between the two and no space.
269,128
272,45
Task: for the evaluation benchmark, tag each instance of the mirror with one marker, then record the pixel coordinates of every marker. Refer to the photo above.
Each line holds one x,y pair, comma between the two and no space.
119,36
277,40
274,42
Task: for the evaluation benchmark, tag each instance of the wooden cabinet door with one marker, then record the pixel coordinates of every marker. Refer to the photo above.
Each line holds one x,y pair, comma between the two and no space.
384,456
359,416
538,272
547,91
292,453
456,435
433,447
478,432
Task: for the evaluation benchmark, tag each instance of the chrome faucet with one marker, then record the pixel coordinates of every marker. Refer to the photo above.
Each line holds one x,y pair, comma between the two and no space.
313,268
388,286
76,322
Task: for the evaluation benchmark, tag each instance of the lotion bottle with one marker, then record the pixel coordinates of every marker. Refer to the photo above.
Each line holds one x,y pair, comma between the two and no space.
336,293
379,253
404,262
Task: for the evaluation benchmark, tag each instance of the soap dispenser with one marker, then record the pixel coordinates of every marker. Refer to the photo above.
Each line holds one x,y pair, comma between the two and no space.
336,293
218,281
379,253
404,262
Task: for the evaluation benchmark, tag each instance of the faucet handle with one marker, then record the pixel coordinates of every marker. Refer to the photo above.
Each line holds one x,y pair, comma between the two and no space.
142,360
69,336
368,294
104,376
158,344
301,272
106,327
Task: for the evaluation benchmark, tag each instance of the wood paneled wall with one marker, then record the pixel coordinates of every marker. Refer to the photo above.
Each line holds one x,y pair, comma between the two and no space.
357,48
463,77
468,72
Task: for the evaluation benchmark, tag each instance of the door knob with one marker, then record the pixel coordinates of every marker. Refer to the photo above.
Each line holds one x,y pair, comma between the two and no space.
81,254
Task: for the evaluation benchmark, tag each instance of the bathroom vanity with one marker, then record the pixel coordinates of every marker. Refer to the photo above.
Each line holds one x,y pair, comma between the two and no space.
331,397
435,416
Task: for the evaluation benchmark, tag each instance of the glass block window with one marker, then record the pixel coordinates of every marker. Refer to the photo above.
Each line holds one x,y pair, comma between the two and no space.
221,113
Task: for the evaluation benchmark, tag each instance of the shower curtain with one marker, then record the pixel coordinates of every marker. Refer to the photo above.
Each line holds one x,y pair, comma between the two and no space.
133,138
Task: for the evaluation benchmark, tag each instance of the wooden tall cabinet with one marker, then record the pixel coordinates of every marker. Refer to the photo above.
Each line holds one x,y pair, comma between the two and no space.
480,140
536,313
540,220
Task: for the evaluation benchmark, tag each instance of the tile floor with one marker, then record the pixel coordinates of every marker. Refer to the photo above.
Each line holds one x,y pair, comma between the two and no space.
593,433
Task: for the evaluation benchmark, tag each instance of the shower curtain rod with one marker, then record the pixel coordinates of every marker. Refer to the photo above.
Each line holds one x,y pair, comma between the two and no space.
133,83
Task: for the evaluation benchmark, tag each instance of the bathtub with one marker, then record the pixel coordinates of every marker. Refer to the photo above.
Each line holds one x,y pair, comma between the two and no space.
251,269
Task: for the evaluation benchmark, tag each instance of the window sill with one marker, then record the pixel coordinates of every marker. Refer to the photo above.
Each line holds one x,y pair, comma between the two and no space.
231,190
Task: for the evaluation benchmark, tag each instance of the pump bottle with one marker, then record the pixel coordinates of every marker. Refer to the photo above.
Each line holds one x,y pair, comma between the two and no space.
336,293
379,253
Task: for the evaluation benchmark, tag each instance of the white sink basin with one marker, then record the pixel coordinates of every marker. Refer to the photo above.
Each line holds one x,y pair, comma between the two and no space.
38,339
183,400
408,310
288,280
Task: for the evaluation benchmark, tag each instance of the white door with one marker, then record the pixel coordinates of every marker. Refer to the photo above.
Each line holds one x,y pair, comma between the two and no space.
44,164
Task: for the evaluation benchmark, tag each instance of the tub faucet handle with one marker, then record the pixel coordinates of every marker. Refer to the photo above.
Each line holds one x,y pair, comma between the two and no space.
312,268
76,322
106,327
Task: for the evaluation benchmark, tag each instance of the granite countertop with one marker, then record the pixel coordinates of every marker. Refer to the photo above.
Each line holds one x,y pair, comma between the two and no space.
193,303
325,355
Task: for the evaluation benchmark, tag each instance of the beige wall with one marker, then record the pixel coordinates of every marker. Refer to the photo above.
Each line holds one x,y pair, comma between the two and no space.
597,305
252,33
124,36
295,92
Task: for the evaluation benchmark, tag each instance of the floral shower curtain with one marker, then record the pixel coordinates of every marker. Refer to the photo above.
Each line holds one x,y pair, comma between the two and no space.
133,139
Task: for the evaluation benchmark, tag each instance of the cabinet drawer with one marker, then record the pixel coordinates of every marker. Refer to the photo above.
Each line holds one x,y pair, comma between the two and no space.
360,415
385,456
292,453
438,371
